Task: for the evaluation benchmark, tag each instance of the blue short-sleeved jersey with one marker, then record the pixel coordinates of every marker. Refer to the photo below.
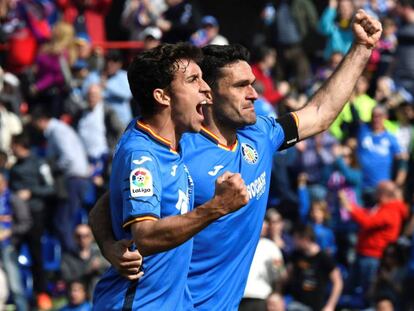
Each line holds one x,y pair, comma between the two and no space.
148,181
223,251
376,154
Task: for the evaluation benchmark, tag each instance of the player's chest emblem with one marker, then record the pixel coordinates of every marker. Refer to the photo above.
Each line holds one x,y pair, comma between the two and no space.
249,154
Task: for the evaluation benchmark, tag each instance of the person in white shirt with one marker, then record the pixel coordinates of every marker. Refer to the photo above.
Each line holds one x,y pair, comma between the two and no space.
266,273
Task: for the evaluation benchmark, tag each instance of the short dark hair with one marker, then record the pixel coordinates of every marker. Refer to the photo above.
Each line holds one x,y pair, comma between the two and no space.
218,56
40,112
304,232
22,139
156,68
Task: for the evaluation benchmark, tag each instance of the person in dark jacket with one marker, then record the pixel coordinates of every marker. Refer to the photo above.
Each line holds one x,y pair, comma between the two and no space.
31,180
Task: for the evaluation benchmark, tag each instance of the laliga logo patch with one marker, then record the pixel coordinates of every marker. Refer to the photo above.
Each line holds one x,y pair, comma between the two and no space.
249,154
140,183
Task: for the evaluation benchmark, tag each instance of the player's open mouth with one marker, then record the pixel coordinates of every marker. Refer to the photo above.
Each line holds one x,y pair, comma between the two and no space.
199,107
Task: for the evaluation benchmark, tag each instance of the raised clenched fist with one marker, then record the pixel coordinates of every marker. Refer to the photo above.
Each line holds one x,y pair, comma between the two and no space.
367,29
231,192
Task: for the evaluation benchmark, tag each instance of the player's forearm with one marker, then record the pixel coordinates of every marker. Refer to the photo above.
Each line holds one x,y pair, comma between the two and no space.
100,223
329,100
158,236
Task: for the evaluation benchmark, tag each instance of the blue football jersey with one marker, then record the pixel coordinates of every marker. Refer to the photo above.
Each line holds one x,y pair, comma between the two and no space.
149,181
223,252
376,151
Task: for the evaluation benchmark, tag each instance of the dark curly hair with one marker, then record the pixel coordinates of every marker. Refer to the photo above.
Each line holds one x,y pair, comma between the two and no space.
156,68
218,56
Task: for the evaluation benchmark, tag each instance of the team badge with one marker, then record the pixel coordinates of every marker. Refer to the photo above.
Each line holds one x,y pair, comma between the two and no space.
249,154
140,183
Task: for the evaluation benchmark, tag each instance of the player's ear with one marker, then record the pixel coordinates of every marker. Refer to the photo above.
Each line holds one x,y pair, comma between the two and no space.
162,97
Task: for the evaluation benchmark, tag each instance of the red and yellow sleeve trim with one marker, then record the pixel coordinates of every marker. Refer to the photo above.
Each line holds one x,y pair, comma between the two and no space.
296,118
139,219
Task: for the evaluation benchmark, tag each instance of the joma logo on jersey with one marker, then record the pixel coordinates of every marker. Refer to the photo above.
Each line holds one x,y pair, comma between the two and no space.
249,154
257,187
140,183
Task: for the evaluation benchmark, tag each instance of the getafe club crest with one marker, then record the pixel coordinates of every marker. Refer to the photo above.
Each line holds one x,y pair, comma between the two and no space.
140,183
249,154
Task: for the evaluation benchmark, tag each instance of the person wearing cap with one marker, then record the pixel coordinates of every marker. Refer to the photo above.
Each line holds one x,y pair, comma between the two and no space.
209,33
151,36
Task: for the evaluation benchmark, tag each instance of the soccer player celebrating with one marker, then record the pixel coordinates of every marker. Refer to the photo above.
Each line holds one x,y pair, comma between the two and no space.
151,189
234,139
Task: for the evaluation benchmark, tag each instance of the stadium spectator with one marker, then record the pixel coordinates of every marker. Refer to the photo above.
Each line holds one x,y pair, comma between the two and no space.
87,263
10,92
359,107
316,213
310,271
179,21
32,182
277,233
138,15
262,70
261,105
25,26
151,37
15,222
335,23
403,73
52,62
87,16
266,274
345,175
314,156
209,33
292,24
77,296
378,153
10,125
114,82
92,130
389,281
69,164
384,54
377,228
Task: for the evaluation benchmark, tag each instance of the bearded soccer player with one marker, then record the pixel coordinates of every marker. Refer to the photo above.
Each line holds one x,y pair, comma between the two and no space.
233,138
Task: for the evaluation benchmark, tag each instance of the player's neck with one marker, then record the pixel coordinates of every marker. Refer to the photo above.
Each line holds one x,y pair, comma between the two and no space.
165,128
226,136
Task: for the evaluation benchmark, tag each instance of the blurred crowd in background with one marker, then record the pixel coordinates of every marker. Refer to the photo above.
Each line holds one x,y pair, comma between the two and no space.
339,229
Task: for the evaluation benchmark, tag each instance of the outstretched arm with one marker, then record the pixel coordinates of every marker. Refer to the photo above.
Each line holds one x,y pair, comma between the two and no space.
329,100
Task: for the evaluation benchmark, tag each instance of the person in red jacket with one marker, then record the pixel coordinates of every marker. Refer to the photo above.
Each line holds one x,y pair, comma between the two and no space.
378,227
87,16
266,60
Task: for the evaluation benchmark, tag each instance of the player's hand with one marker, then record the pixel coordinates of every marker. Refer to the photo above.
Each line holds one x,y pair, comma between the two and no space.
367,29
231,192
125,261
